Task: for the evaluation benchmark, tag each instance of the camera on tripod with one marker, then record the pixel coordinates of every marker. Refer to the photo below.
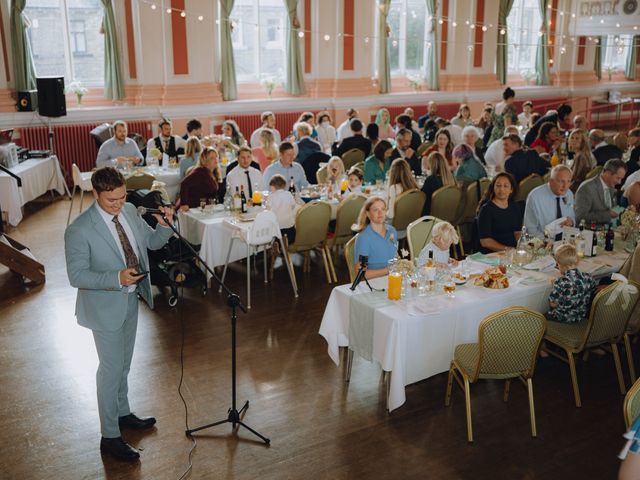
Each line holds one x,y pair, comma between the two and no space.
364,261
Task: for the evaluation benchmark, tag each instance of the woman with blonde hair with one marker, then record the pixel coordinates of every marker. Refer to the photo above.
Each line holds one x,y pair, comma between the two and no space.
385,130
335,170
377,240
191,155
443,235
439,176
267,152
400,180
202,181
582,157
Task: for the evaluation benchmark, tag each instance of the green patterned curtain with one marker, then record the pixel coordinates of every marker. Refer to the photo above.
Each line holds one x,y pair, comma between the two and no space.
501,51
113,81
597,61
227,64
632,57
384,71
542,51
433,66
294,83
24,69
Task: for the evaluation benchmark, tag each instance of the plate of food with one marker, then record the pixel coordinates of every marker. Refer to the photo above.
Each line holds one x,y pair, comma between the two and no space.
459,278
493,278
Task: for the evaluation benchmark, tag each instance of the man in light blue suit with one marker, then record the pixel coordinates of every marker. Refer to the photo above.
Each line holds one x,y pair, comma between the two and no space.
106,254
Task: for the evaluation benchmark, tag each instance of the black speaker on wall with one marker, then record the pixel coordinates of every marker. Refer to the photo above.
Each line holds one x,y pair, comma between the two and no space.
51,100
27,100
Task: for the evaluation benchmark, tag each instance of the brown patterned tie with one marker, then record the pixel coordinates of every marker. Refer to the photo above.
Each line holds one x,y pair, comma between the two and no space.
129,254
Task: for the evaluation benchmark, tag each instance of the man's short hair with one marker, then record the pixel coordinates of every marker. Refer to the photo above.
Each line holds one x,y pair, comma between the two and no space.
613,165
244,149
304,127
284,146
402,132
164,121
513,138
528,103
265,115
404,120
278,182
118,123
355,125
564,110
559,168
351,112
107,179
193,125
596,135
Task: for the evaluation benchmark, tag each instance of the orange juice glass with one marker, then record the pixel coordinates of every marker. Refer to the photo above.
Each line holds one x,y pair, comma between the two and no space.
257,197
395,286
344,184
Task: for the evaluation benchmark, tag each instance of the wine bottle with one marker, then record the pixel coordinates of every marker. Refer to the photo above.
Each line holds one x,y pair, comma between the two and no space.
292,186
237,200
608,239
243,200
594,244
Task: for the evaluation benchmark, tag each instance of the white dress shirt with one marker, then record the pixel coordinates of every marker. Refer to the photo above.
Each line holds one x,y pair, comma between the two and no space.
180,143
238,177
495,155
282,203
254,141
344,130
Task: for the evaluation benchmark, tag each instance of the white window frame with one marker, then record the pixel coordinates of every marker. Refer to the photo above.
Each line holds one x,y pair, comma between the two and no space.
401,71
612,42
515,67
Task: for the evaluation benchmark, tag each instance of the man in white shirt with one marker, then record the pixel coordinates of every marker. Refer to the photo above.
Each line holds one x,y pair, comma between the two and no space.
244,175
119,148
344,130
495,154
169,145
525,115
268,120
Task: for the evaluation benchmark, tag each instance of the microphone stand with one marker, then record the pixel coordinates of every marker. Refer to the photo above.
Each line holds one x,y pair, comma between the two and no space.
233,301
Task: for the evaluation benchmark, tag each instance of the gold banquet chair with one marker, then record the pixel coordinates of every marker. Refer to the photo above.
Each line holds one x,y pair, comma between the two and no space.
593,173
82,181
139,181
526,185
322,174
312,221
349,249
474,193
352,157
508,343
346,216
407,208
607,322
419,234
445,203
631,406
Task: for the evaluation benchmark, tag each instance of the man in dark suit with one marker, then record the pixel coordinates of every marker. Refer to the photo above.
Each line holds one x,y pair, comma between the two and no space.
404,121
106,249
355,141
403,150
306,145
634,155
432,110
521,163
596,197
602,151
194,129
552,116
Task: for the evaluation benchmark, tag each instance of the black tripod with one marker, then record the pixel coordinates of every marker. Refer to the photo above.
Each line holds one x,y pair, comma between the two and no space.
233,300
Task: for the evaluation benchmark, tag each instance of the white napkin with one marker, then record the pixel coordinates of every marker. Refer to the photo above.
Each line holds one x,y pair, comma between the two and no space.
545,263
555,227
422,306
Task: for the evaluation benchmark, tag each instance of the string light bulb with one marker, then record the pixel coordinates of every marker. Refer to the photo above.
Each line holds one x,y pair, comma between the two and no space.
301,34
503,31
327,37
484,28
153,6
168,10
200,18
183,14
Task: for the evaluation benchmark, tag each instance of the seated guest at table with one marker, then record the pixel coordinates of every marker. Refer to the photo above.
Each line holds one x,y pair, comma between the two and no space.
602,151
499,217
202,182
355,140
194,129
404,121
344,129
335,171
431,128
571,294
443,145
411,114
439,175
469,169
583,161
376,240
309,118
471,137
628,218
443,235
232,139
484,122
548,138
191,155
306,145
377,165
596,197
286,167
119,149
525,115
580,121
400,181
372,133
406,152
495,155
326,131
432,110
385,130
267,152
354,177
549,202
554,116
245,175
282,203
522,163
633,152
168,144
463,118
268,120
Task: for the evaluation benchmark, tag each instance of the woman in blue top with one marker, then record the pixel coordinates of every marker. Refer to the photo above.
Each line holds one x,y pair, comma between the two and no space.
376,240
377,165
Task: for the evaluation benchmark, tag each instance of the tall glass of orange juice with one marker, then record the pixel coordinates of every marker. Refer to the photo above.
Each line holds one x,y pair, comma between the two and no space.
257,197
344,185
394,286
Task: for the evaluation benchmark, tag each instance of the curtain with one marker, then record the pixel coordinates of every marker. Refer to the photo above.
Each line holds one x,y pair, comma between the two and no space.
384,73
632,56
113,80
294,83
501,51
597,61
433,67
542,52
24,69
227,64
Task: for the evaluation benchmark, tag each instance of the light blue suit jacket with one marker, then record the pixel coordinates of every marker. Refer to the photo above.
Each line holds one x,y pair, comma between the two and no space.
94,263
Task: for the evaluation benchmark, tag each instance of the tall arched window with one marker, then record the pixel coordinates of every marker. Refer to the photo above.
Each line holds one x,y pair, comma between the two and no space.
66,40
259,39
523,24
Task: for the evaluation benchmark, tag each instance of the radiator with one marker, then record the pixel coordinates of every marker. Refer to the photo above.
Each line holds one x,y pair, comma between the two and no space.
73,143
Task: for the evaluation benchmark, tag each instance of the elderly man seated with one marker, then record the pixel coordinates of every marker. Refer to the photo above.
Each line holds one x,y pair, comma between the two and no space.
602,151
119,148
306,145
596,197
550,202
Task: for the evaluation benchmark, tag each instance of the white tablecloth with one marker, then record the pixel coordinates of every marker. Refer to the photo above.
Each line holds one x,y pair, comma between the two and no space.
170,176
416,347
38,176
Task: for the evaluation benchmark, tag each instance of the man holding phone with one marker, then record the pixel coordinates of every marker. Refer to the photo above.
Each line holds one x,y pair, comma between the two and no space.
106,255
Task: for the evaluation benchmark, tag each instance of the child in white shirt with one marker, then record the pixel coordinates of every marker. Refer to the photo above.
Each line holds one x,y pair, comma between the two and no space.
443,236
282,203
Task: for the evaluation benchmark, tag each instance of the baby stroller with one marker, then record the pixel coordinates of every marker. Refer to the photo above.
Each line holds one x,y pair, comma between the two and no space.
174,265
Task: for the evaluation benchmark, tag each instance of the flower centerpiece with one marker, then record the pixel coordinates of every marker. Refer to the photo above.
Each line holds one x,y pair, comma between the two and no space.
611,71
78,89
415,82
269,83
156,154
528,76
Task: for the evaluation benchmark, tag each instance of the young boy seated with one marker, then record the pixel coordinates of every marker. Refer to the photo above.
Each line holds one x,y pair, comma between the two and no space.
570,298
282,203
355,177
443,235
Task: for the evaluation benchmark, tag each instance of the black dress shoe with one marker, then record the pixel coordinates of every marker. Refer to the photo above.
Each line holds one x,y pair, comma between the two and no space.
119,449
134,423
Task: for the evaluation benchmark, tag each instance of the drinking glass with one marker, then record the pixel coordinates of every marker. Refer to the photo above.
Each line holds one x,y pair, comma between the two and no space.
448,284
203,204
